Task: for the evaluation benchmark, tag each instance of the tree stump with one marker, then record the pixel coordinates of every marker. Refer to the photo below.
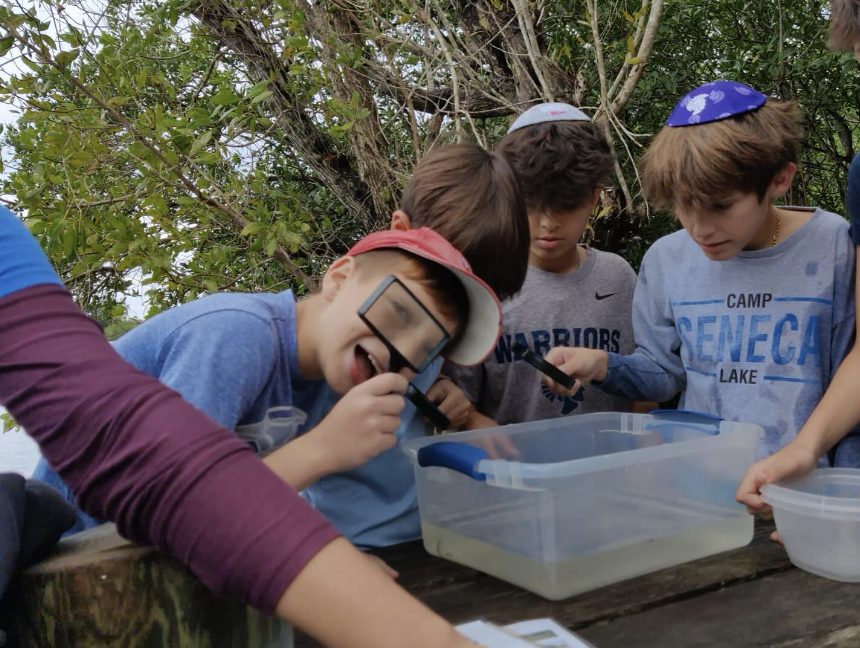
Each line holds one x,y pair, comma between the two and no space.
99,589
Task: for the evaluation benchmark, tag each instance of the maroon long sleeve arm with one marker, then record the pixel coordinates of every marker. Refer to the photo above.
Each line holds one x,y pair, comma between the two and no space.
139,455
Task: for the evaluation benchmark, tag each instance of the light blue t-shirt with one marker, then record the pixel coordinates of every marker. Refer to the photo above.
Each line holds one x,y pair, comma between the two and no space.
374,505
22,262
232,355
755,338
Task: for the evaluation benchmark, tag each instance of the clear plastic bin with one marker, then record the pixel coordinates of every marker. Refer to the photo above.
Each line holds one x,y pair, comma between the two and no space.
589,500
818,518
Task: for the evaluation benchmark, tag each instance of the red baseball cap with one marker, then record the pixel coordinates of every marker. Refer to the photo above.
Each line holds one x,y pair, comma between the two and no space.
481,332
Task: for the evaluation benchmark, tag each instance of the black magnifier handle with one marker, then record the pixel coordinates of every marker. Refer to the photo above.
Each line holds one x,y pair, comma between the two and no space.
427,408
542,365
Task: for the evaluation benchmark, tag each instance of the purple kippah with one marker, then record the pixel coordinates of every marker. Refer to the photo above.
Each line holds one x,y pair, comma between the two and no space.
715,101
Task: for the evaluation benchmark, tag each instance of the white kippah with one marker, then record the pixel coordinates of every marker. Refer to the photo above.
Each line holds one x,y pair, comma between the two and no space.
547,112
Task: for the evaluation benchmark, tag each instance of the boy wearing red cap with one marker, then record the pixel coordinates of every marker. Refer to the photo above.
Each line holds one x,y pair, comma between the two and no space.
472,198
170,477
748,310
241,357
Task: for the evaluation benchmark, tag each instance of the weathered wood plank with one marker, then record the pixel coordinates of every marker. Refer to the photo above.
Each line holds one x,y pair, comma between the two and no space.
459,593
101,590
793,609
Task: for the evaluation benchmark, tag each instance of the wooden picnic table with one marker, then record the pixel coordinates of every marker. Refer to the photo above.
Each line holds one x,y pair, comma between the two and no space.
751,596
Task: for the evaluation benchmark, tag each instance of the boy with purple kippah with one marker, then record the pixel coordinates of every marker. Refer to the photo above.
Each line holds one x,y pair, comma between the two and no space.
839,409
749,309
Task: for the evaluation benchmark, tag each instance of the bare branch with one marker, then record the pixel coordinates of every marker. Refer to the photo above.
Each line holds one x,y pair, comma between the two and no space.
644,51
530,40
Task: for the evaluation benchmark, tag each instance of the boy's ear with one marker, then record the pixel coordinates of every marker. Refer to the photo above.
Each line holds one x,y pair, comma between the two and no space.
336,276
596,197
400,221
781,182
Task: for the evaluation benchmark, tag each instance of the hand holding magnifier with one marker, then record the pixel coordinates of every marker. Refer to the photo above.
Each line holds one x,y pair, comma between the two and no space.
542,365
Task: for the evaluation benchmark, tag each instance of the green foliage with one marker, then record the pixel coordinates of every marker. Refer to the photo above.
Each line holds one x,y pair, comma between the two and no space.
110,199
7,422
119,326
182,148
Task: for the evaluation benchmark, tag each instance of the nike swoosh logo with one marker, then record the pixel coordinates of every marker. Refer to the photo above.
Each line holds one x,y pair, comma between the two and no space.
598,296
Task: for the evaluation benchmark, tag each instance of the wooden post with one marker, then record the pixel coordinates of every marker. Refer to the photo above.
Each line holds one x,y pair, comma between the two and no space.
99,589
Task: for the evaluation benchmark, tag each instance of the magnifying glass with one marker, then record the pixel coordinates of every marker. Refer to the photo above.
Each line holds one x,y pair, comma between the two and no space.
522,351
413,336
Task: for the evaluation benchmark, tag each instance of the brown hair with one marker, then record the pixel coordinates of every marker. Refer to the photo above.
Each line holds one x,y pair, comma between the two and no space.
446,290
472,198
844,31
560,163
695,165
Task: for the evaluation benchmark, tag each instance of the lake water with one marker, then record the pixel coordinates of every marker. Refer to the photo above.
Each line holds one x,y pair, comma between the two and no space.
18,453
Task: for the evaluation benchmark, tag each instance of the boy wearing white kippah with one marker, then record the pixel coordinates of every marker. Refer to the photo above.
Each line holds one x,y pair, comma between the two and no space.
574,295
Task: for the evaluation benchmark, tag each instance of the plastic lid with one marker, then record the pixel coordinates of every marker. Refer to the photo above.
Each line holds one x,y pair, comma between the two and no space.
826,492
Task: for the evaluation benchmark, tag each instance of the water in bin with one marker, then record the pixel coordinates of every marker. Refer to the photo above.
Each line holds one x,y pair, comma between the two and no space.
649,492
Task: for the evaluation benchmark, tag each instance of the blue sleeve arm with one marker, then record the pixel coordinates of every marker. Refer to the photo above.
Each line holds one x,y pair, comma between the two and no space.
853,198
654,371
22,262
844,318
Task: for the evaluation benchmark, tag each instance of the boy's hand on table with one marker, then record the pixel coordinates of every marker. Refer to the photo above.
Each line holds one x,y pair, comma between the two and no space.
584,365
793,460
451,400
362,423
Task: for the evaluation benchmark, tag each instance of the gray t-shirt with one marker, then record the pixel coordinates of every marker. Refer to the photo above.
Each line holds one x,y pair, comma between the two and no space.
756,338
590,307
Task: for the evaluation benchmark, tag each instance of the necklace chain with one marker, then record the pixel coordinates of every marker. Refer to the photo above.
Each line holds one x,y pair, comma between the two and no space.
775,230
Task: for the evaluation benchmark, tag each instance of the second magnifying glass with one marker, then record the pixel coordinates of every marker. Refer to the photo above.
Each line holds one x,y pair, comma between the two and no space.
542,365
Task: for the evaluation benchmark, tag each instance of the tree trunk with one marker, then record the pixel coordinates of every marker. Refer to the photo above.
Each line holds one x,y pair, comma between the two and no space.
101,590
337,169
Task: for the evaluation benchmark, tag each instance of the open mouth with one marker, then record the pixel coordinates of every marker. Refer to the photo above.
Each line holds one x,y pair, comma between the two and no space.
366,366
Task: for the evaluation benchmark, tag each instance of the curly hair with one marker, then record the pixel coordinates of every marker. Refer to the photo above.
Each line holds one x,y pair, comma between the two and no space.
559,163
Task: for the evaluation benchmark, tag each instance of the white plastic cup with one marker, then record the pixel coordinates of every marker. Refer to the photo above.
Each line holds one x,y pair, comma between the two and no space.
818,519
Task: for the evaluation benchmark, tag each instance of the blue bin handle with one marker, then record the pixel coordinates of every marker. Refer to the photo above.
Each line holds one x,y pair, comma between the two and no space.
462,457
686,416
